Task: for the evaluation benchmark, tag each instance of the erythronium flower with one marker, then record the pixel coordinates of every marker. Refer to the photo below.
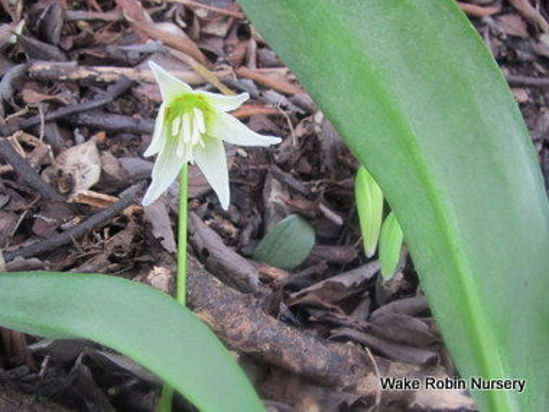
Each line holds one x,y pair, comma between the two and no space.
191,127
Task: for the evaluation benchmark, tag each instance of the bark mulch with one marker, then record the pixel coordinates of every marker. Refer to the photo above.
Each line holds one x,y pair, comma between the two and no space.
77,109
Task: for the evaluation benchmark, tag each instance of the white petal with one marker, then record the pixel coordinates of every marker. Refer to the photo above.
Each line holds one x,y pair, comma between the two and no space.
224,103
165,170
213,163
181,147
201,141
158,139
227,128
170,86
199,119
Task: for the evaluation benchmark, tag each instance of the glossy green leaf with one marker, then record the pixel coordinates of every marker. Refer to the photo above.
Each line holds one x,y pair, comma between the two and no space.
390,244
135,320
416,96
369,205
288,244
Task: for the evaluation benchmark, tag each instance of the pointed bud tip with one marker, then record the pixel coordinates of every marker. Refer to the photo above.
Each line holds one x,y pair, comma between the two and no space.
369,252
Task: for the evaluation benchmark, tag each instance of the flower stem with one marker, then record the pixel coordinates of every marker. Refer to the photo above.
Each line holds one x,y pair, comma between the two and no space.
182,237
166,398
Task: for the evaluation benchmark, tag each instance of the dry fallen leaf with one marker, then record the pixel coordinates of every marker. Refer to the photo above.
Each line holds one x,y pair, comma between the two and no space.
159,278
8,32
76,169
448,400
542,46
31,96
513,25
521,95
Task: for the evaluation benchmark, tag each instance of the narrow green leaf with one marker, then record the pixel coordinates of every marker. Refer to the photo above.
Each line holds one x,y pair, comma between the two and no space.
416,96
390,243
369,204
288,244
135,320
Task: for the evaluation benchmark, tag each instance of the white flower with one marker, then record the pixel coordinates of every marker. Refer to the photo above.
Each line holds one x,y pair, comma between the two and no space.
191,127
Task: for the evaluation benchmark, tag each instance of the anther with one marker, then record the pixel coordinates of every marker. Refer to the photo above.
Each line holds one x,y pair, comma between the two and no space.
195,134
199,118
186,128
175,126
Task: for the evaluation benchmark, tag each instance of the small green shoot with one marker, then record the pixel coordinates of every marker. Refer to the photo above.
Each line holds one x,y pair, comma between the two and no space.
288,244
369,204
390,244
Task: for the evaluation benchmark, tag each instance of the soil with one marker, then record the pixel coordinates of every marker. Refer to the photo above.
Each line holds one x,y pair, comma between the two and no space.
77,110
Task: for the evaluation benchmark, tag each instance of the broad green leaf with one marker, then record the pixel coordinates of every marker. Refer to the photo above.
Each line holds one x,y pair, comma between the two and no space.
369,205
135,320
288,244
390,243
417,97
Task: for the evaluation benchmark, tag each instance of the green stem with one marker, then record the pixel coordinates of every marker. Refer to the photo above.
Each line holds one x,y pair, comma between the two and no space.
166,397
182,238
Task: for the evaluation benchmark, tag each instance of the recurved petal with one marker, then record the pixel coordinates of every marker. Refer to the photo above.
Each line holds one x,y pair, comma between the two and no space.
227,128
170,86
165,170
213,163
158,139
224,103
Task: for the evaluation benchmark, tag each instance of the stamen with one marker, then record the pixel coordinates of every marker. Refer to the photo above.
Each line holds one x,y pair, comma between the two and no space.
199,118
196,133
181,140
186,128
175,126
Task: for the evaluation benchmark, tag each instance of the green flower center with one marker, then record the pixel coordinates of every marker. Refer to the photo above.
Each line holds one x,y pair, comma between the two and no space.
185,104
185,121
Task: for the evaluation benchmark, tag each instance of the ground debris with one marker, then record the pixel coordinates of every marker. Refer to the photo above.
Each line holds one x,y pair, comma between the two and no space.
73,129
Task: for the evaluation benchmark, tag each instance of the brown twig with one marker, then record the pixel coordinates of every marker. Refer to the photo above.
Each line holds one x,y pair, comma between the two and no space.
333,254
111,122
218,10
134,12
183,44
85,15
118,123
112,93
72,71
478,11
234,268
202,70
519,80
27,173
249,110
531,14
56,71
86,226
240,322
393,350
291,181
409,306
278,85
